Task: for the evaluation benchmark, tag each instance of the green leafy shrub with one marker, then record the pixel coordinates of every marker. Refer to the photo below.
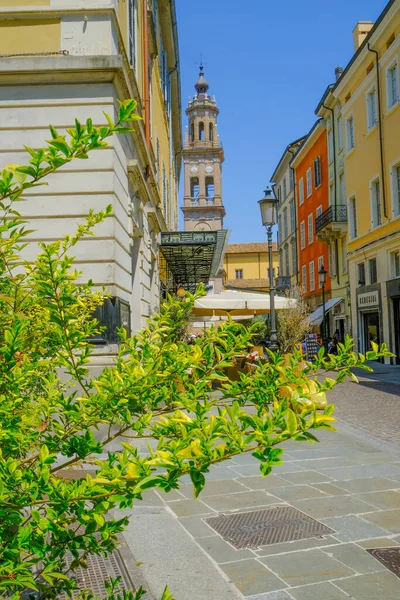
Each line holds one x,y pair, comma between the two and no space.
159,390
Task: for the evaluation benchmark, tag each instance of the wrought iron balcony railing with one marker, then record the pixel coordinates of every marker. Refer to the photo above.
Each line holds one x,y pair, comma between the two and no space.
333,214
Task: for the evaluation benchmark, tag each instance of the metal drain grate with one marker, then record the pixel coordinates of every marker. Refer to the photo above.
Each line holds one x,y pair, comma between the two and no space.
389,557
268,526
100,569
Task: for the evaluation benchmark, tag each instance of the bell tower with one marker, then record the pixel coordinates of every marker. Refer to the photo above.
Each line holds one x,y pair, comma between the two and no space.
203,156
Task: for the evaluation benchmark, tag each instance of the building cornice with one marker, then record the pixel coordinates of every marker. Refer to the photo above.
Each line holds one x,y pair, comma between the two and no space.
286,154
310,139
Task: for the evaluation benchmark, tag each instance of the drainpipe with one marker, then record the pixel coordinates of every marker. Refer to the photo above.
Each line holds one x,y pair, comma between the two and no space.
146,75
295,216
335,185
378,83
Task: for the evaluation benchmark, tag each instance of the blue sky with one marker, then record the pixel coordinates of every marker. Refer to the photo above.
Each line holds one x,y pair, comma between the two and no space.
268,64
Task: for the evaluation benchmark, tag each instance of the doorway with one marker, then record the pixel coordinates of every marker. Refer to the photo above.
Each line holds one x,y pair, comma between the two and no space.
396,314
371,330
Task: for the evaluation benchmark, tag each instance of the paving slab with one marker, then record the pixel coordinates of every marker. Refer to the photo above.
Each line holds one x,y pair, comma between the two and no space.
332,506
186,508
330,489
251,577
296,492
228,502
383,585
212,488
301,568
370,484
318,464
388,519
263,483
196,526
355,558
281,595
362,471
318,591
221,551
386,499
351,528
378,543
251,470
306,477
169,556
306,544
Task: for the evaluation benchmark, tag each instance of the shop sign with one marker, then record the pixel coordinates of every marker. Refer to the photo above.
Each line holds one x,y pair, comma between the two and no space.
368,300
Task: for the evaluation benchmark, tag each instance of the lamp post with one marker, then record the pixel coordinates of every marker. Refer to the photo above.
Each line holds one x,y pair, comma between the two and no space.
268,208
322,280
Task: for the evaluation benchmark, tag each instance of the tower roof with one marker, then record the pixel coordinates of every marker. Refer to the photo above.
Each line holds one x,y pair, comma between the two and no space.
201,85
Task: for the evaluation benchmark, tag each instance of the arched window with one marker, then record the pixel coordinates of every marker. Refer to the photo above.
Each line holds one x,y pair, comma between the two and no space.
192,132
211,132
194,190
201,131
210,190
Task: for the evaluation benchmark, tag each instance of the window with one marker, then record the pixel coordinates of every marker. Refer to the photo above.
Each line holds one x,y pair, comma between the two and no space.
371,109
376,203
286,260
318,212
211,132
350,134
342,190
210,190
192,132
320,265
373,275
330,146
285,224
331,195
201,131
304,277
301,191
291,178
344,257
132,32
312,278
293,216
280,232
279,194
392,86
284,188
302,235
310,229
396,190
194,187
239,273
340,132
165,193
361,274
294,259
332,259
158,161
317,172
309,183
353,218
395,263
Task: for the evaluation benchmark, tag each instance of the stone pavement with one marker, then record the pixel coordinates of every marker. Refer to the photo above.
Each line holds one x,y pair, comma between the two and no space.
349,482
374,404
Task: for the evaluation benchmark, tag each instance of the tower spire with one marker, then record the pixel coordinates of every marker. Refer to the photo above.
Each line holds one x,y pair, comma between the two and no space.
201,85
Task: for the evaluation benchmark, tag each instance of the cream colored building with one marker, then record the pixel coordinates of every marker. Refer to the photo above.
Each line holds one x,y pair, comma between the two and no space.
62,59
246,266
366,104
284,182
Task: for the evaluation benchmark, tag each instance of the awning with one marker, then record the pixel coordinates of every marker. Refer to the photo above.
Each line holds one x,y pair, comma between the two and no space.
317,316
192,257
237,303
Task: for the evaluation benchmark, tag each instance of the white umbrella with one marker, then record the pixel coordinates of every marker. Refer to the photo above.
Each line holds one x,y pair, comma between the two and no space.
237,303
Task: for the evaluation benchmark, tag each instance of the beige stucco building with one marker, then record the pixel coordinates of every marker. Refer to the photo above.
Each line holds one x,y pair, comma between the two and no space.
246,266
63,59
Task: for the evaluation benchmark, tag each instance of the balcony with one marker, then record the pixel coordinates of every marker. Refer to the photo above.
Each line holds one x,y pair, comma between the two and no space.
282,284
332,223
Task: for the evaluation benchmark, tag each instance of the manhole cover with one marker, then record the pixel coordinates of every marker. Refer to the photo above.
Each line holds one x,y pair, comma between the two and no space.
389,557
100,569
269,526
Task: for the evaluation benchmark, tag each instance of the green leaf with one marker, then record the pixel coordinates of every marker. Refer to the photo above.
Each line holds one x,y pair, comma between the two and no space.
44,454
291,422
198,481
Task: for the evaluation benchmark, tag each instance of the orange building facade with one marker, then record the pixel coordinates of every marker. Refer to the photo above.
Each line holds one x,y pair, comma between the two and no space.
312,199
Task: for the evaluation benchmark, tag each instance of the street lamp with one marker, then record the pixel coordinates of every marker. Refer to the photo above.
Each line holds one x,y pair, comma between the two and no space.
322,280
268,208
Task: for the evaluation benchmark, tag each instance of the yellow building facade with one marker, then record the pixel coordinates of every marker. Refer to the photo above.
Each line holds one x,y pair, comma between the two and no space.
61,60
246,266
366,104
